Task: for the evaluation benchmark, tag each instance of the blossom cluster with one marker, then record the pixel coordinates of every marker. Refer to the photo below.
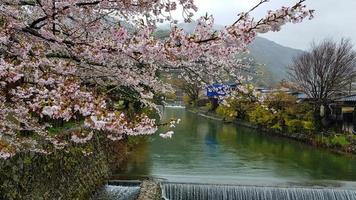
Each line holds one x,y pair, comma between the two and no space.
118,126
64,60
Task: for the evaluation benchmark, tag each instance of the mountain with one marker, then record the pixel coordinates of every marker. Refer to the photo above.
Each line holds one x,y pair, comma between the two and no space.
271,59
274,56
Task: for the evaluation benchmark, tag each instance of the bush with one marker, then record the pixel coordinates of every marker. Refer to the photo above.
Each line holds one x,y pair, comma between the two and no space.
226,112
294,125
239,104
188,101
208,106
280,111
261,116
280,101
170,96
308,125
277,126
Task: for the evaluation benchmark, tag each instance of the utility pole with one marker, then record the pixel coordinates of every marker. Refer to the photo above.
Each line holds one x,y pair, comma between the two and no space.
350,88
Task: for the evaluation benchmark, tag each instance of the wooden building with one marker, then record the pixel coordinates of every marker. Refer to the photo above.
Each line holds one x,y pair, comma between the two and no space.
344,111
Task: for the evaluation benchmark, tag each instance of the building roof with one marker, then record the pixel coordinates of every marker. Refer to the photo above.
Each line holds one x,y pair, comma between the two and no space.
349,98
302,96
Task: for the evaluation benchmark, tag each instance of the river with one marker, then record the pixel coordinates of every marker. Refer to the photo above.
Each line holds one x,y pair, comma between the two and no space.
208,151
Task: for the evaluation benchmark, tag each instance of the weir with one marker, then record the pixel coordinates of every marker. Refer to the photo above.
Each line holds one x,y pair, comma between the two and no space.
184,191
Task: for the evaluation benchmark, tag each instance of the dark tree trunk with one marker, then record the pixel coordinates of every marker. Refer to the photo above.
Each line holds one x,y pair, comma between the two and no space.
214,103
317,118
326,119
354,121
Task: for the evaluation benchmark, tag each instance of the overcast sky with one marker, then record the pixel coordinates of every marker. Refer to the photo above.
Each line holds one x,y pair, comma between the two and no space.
333,19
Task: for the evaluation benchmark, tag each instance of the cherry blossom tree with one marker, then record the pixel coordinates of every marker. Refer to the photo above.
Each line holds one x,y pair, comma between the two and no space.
64,60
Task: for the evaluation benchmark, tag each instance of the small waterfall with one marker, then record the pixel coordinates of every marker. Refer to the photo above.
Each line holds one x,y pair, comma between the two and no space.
115,192
176,191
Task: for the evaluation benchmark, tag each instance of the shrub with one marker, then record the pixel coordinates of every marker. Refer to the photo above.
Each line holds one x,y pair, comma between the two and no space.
277,126
280,101
240,103
281,111
278,111
308,125
262,117
170,96
208,106
226,112
294,125
188,101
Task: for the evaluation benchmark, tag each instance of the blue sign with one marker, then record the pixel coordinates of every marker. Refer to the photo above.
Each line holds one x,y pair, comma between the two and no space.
216,90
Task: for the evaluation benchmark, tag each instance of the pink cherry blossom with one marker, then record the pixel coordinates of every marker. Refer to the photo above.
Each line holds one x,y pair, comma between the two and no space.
66,60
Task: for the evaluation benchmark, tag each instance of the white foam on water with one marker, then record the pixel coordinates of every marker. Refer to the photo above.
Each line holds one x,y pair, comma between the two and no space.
115,192
174,106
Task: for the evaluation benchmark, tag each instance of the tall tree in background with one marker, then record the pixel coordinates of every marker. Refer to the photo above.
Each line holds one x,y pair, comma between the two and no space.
326,70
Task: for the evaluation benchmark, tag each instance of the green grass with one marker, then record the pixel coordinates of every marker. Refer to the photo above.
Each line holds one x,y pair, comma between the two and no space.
334,141
339,140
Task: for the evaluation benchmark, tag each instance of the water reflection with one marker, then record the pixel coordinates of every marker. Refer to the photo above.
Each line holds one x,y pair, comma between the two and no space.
211,151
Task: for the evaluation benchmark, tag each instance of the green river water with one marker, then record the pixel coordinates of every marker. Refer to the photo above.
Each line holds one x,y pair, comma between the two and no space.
208,151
